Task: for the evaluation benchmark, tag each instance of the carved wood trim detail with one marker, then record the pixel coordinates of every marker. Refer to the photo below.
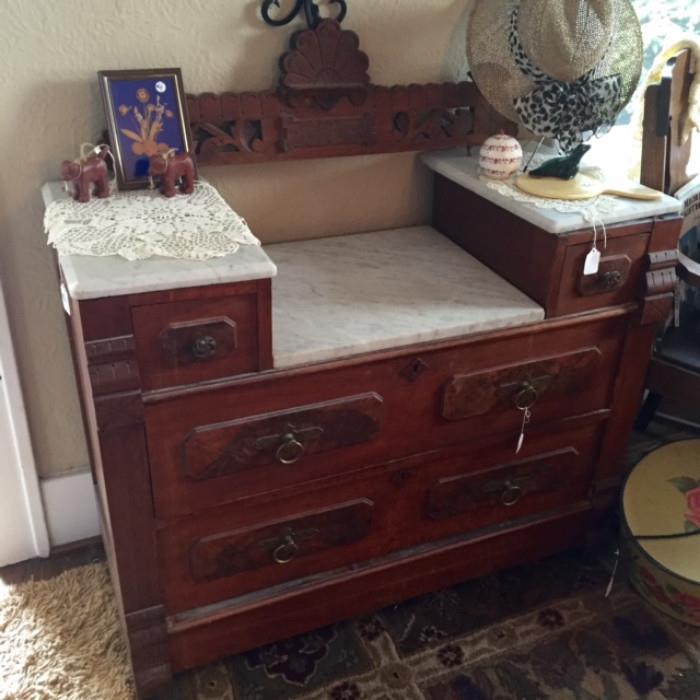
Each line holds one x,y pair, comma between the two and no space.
663,258
326,60
114,377
661,281
655,309
112,365
110,349
327,107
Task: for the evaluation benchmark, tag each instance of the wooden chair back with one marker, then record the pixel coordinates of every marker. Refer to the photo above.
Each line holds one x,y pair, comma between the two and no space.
665,154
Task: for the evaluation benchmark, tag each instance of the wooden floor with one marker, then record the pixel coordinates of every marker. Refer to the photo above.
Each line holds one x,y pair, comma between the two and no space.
61,559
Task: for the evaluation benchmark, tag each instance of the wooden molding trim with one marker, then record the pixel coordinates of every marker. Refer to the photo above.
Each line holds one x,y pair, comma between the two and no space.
322,110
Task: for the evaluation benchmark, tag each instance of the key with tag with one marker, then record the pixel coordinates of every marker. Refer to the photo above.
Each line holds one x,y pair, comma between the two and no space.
527,416
525,399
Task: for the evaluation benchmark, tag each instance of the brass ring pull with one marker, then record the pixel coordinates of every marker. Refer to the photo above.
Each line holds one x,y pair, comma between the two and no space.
611,279
286,551
526,397
512,494
290,451
204,347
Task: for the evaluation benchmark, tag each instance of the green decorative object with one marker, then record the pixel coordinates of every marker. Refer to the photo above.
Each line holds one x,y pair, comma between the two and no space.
563,167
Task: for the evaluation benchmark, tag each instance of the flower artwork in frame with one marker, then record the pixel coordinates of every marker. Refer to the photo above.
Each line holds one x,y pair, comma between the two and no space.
146,116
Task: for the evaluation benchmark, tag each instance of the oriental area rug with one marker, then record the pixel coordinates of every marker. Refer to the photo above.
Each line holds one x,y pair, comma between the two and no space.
545,630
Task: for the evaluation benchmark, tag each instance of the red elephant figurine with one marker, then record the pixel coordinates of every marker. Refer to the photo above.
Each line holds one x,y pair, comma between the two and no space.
172,168
87,173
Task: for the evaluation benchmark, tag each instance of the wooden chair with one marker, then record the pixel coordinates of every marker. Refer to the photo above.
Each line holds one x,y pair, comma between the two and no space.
674,372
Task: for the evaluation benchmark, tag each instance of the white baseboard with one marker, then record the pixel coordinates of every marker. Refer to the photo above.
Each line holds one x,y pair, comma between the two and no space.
71,508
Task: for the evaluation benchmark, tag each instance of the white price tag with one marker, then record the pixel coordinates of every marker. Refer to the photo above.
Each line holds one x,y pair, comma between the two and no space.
592,263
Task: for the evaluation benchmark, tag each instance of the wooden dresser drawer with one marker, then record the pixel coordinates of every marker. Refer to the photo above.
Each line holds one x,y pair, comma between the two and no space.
620,276
505,485
274,431
186,342
281,542
534,385
281,437
406,503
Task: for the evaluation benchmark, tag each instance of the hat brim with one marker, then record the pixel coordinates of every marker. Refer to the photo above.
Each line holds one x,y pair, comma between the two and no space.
501,81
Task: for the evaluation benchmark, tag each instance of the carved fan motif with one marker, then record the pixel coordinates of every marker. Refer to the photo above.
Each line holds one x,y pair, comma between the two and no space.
326,58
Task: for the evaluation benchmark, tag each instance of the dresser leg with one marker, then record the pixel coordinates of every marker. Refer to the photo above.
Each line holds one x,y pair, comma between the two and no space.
148,642
648,411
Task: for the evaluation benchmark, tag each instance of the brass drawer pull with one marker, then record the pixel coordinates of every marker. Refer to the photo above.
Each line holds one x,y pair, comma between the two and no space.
526,396
286,551
512,494
204,347
290,451
611,279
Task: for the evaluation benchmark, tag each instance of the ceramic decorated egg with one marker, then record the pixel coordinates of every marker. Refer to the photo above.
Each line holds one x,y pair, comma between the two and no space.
500,157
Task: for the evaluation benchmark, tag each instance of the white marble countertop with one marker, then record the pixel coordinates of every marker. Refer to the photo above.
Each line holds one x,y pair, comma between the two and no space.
463,169
342,296
92,277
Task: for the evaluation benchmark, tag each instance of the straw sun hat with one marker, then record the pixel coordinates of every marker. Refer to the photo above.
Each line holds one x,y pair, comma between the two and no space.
564,69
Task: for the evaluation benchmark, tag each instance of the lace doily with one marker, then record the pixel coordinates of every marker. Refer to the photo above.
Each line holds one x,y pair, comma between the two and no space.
592,210
139,224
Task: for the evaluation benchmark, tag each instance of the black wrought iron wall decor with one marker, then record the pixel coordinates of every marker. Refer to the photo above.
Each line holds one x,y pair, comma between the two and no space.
309,8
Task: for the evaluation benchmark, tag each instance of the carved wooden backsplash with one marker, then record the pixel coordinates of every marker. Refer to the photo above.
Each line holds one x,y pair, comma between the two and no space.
325,106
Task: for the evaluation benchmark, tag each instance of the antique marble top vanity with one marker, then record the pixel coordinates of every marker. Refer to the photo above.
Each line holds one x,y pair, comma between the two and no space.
312,430
309,431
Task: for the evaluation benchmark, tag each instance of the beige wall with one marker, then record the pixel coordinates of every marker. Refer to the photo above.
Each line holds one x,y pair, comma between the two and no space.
51,50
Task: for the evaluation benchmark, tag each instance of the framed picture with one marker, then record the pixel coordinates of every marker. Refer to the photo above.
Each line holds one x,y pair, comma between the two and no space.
146,115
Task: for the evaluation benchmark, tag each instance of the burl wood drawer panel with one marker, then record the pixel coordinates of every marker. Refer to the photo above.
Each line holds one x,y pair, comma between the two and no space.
191,341
360,517
281,437
214,446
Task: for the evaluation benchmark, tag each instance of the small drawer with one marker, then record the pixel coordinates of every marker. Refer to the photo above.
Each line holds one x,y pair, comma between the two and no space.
619,278
289,539
192,341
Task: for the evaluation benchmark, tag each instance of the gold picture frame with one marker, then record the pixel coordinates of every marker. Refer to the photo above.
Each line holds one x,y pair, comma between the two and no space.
146,114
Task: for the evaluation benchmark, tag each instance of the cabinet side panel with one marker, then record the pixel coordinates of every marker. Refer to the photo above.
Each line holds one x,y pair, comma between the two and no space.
515,249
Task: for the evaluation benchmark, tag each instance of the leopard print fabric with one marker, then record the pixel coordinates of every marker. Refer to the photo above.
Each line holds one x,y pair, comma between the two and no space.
568,112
